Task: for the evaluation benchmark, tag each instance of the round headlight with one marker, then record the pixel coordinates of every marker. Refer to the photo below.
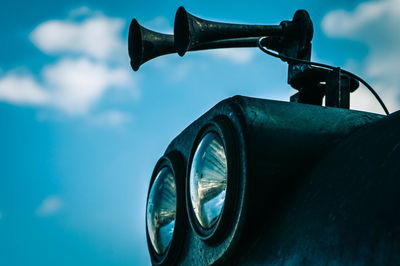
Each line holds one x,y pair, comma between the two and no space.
166,210
208,180
161,210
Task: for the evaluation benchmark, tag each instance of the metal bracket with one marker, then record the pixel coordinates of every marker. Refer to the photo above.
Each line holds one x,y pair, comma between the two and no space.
314,83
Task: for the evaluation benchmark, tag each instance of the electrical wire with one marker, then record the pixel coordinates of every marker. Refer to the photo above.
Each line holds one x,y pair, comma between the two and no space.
286,58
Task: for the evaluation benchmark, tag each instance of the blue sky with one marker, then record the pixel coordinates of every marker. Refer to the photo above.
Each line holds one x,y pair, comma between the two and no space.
80,131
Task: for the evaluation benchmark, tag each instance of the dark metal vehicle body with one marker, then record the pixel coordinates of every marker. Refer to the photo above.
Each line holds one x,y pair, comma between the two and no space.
315,186
262,182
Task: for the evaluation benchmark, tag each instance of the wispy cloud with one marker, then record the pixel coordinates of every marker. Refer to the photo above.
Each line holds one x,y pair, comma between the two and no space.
72,85
375,24
49,206
89,52
82,11
113,118
237,56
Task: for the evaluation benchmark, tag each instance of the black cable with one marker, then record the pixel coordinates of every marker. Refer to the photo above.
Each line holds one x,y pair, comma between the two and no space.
286,58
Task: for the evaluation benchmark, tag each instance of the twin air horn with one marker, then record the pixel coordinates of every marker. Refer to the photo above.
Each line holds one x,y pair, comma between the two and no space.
290,38
290,41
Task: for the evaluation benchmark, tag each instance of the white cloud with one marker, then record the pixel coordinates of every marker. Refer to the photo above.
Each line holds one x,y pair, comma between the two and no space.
341,22
375,24
97,36
49,206
77,84
238,56
21,89
86,67
113,118
72,85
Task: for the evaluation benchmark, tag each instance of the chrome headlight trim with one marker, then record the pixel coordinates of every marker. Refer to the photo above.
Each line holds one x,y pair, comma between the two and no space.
223,129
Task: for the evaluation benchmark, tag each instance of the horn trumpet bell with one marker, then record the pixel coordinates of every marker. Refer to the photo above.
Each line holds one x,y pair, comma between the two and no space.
145,44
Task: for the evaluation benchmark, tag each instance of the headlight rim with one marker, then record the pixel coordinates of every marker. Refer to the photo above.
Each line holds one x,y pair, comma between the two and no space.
223,128
174,162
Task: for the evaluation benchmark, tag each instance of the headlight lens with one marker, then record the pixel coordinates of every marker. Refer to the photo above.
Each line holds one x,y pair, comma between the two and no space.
208,180
161,210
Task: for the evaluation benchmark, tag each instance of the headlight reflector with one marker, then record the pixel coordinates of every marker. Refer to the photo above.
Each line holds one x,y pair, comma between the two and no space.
208,180
161,210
